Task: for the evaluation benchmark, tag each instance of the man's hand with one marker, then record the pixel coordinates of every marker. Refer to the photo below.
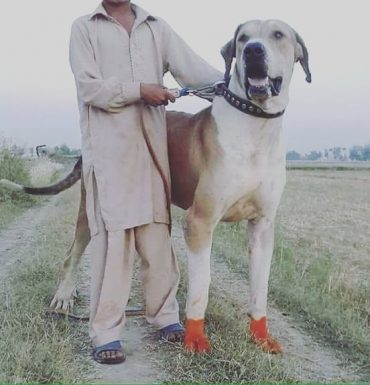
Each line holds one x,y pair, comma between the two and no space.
156,95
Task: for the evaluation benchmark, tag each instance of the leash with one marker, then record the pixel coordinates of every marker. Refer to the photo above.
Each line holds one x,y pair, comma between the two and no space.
207,92
221,89
58,314
167,188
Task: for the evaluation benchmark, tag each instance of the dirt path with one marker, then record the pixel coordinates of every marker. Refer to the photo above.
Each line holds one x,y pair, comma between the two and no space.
19,236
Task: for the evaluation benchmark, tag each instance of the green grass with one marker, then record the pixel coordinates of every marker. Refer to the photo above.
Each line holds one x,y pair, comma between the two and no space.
33,346
233,358
317,293
13,204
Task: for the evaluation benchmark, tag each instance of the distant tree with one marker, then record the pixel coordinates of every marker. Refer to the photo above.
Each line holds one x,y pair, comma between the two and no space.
293,155
366,152
360,152
355,153
337,153
64,150
314,155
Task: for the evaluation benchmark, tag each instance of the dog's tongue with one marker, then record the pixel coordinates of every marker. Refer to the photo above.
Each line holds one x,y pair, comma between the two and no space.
258,82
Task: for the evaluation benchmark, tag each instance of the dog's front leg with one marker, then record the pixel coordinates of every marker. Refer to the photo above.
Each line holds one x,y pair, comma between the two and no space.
261,244
198,236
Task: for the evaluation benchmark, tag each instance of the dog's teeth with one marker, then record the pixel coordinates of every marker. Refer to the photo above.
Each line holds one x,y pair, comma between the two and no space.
258,82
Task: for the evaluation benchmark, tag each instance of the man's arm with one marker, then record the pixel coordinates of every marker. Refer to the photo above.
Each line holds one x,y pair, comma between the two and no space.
107,94
188,68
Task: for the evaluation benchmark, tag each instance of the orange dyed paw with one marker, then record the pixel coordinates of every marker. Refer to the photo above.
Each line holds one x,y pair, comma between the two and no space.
260,335
195,339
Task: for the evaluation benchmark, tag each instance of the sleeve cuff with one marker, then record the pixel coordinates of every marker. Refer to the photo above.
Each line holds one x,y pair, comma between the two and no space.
130,92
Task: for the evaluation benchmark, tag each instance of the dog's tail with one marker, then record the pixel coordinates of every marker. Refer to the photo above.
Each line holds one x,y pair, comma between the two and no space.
53,189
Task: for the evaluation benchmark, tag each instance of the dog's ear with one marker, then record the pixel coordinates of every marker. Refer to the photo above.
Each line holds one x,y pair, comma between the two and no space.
228,52
301,54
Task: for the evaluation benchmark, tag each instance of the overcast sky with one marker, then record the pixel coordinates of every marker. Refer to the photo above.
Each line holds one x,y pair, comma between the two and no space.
37,92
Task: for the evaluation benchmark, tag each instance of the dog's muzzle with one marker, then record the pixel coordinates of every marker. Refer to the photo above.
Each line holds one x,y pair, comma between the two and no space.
258,85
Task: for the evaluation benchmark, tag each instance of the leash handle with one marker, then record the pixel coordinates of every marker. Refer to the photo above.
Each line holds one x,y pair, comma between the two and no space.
178,93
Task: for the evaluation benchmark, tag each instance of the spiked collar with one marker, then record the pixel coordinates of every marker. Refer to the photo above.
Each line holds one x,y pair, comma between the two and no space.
244,105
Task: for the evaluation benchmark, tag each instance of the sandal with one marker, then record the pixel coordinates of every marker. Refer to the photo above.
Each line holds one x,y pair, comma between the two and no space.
172,333
114,346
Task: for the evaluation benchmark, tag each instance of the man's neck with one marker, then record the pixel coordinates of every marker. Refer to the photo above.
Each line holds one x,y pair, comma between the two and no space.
121,9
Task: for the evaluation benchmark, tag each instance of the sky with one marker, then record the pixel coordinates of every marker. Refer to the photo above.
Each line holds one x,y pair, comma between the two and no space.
37,91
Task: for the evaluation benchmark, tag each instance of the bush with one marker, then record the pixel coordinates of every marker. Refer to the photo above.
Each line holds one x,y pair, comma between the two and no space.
15,169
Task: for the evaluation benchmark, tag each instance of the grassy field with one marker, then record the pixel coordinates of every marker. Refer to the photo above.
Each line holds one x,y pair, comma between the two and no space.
322,257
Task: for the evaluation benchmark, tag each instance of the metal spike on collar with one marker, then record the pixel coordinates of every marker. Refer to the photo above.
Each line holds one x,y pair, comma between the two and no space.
246,106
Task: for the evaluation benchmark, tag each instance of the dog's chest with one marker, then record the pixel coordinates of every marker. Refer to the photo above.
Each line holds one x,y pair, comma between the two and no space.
252,164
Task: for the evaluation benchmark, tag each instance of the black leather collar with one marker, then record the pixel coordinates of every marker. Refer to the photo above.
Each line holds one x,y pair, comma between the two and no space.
244,105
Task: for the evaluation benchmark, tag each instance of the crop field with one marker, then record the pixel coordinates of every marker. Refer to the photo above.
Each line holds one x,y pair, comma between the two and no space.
328,212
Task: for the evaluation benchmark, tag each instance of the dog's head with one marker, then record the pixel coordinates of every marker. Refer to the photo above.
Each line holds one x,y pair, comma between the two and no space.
265,53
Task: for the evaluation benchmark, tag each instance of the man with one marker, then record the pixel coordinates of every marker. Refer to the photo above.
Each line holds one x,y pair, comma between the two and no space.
118,56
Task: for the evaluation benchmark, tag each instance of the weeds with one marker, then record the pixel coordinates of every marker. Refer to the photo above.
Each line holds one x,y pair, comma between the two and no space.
16,169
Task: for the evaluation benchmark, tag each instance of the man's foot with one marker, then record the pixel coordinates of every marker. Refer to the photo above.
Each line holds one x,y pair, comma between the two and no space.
111,353
172,333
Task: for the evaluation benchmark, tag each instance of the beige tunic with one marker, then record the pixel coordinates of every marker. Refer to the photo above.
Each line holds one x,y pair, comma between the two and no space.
109,65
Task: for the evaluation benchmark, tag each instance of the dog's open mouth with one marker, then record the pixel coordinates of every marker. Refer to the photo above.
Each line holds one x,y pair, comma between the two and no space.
263,88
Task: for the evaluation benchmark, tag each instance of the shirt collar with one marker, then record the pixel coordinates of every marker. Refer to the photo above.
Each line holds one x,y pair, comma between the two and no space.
141,14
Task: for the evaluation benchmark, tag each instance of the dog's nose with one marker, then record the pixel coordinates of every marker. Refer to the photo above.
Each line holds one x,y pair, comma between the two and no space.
254,50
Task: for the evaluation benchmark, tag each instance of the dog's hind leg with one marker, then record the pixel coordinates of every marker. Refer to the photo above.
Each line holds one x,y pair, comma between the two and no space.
261,244
64,297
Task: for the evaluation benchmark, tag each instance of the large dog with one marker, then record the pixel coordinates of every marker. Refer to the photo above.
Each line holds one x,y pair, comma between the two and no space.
227,164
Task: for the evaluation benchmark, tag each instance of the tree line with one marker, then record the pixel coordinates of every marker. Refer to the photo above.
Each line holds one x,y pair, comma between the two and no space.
359,153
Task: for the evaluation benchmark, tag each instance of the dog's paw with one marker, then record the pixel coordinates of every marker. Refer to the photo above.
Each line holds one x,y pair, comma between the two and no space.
64,300
195,339
260,335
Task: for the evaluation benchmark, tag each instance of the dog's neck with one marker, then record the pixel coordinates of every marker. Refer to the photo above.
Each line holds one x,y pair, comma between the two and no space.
272,105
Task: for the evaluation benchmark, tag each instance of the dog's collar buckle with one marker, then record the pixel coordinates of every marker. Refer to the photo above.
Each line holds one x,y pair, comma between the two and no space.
243,105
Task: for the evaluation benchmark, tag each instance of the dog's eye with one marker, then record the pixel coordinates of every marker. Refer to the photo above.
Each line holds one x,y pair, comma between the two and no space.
278,35
243,38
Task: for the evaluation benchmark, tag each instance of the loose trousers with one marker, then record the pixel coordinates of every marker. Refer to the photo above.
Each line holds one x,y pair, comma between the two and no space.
112,260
